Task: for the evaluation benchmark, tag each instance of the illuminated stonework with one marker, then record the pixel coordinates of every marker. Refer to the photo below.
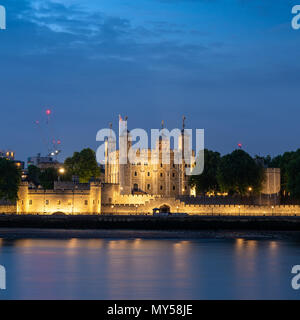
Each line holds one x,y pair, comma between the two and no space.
67,198
146,177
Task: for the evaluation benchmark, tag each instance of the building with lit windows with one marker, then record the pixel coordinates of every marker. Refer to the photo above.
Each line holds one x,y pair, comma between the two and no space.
147,176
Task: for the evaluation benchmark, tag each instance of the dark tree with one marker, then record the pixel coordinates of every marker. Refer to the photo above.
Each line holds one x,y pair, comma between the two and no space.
207,181
293,177
83,164
47,178
10,178
238,172
34,175
283,162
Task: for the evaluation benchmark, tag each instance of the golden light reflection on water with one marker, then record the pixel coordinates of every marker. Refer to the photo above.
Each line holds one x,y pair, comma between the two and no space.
143,268
249,255
137,264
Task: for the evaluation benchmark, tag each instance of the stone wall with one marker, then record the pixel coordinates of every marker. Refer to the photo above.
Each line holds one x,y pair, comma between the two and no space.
75,201
8,209
178,207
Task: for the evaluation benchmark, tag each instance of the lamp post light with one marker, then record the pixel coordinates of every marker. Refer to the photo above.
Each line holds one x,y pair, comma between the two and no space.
239,210
272,210
61,171
136,207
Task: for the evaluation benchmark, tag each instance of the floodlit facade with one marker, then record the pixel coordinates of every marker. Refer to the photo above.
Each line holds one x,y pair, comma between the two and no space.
146,176
67,198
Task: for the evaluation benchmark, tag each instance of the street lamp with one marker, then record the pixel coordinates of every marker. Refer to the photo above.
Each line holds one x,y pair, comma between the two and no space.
61,171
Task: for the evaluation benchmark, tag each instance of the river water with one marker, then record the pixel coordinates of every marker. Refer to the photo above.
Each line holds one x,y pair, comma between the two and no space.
130,267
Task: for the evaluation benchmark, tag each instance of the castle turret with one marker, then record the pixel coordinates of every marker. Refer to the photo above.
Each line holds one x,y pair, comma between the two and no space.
124,165
22,203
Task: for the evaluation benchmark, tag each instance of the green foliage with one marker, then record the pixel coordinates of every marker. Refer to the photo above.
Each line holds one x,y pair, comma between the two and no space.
83,164
238,171
207,181
34,175
283,162
293,177
47,178
10,178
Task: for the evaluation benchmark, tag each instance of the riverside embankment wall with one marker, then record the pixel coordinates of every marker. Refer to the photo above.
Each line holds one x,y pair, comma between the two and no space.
210,210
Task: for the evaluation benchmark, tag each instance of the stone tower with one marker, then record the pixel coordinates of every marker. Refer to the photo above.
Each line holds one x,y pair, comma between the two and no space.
124,165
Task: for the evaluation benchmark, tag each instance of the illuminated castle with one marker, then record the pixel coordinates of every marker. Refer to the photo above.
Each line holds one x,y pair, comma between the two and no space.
145,176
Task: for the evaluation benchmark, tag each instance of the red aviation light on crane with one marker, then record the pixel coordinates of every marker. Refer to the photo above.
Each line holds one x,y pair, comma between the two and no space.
240,145
48,112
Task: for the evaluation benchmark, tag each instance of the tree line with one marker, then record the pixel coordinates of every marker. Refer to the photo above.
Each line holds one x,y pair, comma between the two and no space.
234,173
82,164
239,173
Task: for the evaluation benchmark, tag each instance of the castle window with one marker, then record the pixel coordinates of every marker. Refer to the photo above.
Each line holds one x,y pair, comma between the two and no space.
161,174
93,201
148,174
173,175
161,187
148,186
135,173
58,202
47,202
135,186
30,202
86,202
173,165
174,188
161,165
185,187
146,163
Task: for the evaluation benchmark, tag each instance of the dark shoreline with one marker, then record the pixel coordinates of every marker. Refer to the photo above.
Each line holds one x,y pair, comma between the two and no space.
148,227
63,234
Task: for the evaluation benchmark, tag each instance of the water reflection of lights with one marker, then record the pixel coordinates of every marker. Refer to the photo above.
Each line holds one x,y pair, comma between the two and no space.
248,245
72,243
273,245
181,244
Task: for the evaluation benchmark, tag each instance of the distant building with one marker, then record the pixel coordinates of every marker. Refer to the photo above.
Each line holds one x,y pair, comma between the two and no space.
8,154
43,162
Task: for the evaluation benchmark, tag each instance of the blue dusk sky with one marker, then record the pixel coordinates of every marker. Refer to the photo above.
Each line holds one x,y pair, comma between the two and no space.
231,66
